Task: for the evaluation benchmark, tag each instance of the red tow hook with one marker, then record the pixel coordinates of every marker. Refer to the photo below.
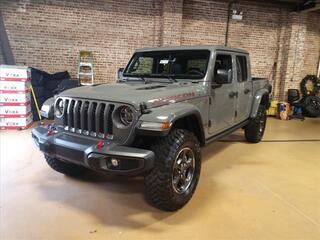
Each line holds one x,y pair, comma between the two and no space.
100,144
50,132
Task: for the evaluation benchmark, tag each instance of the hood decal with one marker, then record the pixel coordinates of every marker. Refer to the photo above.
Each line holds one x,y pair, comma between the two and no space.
157,102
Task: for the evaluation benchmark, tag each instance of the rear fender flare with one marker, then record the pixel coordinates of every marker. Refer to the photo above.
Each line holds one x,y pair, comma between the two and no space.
261,97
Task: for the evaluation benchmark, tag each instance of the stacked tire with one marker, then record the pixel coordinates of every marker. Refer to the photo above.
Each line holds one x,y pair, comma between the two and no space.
312,106
311,99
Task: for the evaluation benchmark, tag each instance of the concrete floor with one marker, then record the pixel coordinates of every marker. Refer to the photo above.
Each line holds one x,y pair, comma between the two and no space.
265,191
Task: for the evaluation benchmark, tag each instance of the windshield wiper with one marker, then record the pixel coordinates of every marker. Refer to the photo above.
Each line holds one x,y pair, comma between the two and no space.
170,77
141,77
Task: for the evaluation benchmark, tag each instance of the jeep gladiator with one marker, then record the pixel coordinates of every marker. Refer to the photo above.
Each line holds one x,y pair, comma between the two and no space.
168,103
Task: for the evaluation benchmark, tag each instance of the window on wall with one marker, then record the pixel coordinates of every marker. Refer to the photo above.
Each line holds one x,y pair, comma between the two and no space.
242,72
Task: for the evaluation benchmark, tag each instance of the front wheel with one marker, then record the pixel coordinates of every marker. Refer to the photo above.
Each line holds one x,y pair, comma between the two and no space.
173,180
65,168
255,129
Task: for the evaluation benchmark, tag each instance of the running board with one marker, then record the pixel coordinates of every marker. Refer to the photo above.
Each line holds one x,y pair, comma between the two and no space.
227,132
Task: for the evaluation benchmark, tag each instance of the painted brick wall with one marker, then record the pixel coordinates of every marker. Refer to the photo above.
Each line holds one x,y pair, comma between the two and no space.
48,35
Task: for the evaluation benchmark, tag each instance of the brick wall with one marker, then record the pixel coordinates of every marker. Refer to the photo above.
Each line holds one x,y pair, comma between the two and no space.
205,23
284,46
1,55
171,22
312,43
49,34
301,50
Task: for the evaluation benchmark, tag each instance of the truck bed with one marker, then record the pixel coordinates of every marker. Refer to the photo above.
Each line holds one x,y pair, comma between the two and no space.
258,83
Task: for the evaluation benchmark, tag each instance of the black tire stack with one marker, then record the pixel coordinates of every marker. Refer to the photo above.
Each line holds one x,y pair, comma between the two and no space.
311,100
45,86
312,106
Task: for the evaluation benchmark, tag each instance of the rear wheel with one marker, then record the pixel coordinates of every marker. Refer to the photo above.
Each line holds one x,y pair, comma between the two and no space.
173,180
255,129
65,168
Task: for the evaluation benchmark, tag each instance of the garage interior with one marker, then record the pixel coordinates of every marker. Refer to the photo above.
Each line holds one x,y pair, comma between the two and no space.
246,191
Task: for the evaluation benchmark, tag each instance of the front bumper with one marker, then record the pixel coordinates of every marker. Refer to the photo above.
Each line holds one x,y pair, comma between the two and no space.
82,150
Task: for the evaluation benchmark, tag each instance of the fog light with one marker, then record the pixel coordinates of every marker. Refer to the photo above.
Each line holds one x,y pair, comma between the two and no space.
114,162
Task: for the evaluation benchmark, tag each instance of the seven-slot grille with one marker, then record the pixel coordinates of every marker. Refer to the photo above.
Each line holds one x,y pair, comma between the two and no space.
88,117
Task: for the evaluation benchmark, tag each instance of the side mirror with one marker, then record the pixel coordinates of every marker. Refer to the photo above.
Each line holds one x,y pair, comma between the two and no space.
120,73
223,76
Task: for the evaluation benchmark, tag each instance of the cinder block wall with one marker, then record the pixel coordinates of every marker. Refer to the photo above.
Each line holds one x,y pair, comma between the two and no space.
284,46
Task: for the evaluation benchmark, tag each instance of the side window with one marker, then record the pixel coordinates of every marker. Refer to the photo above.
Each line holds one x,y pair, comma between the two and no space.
242,72
223,69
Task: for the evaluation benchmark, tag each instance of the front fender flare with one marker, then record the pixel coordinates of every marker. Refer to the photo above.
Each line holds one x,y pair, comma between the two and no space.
172,113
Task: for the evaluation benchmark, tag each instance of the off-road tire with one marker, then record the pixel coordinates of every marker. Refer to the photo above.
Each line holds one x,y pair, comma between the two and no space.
312,106
159,188
253,131
65,168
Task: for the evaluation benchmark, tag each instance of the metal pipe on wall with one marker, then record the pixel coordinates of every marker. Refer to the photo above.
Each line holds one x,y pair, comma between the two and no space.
318,73
228,21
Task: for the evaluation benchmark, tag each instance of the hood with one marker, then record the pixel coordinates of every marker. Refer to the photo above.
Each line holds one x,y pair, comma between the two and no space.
152,94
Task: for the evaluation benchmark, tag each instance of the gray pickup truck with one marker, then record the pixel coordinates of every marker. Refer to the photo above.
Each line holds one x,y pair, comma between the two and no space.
168,103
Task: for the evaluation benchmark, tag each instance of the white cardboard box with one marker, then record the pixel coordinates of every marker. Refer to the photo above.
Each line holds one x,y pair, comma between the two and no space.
15,86
14,111
14,73
14,123
14,99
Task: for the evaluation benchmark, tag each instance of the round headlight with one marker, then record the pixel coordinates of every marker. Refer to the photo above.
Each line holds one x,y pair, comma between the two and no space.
126,115
59,107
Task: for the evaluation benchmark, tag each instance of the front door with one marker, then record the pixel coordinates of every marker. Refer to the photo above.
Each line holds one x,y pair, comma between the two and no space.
223,95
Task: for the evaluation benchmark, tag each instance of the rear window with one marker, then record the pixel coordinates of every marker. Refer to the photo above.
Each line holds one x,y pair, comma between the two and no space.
242,72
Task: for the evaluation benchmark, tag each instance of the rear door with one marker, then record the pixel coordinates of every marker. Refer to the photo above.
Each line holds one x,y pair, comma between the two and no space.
223,98
244,87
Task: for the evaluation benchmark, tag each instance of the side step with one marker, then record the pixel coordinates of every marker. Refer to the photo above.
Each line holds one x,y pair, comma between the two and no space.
227,132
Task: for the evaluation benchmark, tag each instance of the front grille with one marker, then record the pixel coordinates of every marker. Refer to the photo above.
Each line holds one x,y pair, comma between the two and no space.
88,117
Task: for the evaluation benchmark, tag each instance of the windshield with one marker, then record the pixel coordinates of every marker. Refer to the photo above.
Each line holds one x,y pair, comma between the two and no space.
180,64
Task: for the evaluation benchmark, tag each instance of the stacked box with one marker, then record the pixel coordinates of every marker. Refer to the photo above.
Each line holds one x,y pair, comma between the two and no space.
16,122
14,111
15,97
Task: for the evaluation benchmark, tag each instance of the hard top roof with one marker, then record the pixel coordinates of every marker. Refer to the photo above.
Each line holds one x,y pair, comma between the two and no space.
193,47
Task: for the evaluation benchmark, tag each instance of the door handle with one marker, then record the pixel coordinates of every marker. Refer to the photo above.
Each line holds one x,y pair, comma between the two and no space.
246,91
233,94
